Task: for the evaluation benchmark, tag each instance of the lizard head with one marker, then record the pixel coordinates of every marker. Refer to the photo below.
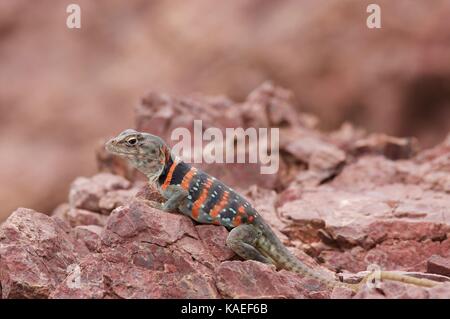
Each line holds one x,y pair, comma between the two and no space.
147,152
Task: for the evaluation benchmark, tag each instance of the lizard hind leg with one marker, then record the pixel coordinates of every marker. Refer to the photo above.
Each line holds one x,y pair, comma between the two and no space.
242,241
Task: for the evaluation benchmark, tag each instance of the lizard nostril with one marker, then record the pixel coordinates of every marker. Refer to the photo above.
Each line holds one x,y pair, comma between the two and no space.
110,143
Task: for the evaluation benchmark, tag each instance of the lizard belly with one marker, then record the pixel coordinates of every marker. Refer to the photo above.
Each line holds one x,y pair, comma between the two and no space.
225,216
201,216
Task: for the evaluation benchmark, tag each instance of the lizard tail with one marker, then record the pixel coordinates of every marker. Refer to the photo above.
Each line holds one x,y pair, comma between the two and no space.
281,257
392,276
284,259
295,265
304,270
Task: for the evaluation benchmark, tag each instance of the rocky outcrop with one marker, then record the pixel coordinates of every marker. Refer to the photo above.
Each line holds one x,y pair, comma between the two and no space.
343,202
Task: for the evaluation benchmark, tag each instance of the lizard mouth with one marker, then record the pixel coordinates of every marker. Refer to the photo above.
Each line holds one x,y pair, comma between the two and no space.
110,147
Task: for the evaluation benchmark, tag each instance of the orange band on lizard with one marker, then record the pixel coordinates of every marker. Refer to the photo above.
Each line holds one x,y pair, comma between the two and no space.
187,178
237,220
201,199
169,175
218,207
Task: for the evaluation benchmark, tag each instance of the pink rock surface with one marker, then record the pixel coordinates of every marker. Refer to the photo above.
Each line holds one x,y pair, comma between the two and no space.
78,217
251,279
85,193
139,270
439,265
143,223
214,239
35,254
393,290
90,235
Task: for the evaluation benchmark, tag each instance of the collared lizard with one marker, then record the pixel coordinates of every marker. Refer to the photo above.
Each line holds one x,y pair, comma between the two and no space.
207,200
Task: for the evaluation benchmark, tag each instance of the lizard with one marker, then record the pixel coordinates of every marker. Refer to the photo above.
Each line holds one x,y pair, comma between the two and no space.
207,200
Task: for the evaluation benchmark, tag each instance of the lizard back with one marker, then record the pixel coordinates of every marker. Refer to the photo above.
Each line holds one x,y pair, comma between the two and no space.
209,200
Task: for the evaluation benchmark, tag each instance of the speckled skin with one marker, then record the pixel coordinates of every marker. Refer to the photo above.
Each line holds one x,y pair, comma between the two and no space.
209,201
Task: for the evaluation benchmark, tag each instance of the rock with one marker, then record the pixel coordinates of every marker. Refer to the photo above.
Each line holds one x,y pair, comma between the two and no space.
197,250
346,136
394,290
149,193
250,279
438,265
61,211
269,106
138,270
85,193
391,147
90,235
116,198
324,160
139,222
78,217
214,239
408,255
366,173
341,293
35,254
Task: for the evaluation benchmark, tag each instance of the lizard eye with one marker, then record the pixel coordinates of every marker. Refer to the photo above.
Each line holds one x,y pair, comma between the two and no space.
132,141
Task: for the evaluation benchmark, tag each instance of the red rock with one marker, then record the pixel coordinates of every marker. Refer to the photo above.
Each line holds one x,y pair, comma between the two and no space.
324,160
35,253
78,217
139,222
391,147
341,293
367,172
61,211
150,193
214,239
197,250
85,193
116,198
269,106
439,151
438,265
139,270
394,290
250,279
346,136
440,291
90,235
408,255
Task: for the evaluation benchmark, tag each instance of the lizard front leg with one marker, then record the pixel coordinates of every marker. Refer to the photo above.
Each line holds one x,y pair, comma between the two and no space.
175,196
242,240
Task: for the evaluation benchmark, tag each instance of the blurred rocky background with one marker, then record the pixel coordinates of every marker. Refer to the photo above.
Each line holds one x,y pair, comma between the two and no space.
63,90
